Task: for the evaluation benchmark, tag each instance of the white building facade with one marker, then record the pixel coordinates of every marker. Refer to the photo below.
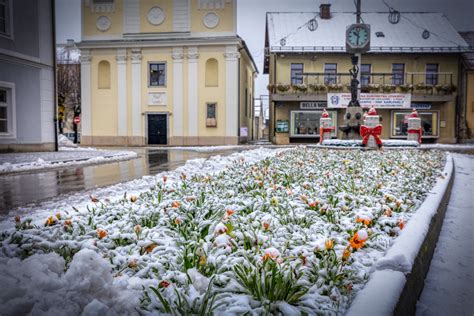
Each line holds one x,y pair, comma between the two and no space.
27,94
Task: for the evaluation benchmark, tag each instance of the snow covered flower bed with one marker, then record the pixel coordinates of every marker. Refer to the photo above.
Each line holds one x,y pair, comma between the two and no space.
296,232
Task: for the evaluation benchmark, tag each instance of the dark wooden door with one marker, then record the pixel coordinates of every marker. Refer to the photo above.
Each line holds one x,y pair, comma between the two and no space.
157,129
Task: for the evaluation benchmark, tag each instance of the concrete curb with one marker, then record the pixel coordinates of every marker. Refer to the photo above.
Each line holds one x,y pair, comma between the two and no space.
415,280
397,283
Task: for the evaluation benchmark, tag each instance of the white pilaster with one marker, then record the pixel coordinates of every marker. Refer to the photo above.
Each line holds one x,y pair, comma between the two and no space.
178,91
136,92
231,91
122,92
131,17
47,105
86,117
193,105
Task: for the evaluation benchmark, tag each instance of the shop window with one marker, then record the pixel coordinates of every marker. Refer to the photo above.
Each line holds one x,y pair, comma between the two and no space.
296,74
398,74
306,123
432,74
429,123
330,71
5,18
211,115
7,110
212,73
104,75
157,74
365,71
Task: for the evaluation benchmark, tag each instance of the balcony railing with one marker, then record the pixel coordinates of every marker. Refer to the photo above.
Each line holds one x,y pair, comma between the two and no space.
440,83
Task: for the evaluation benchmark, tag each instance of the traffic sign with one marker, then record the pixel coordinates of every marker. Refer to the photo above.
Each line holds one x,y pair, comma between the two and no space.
77,120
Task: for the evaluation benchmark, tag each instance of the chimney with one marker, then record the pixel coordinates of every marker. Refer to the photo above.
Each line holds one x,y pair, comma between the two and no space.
325,11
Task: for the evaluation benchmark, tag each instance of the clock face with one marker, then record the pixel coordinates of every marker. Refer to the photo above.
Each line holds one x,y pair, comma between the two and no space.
357,36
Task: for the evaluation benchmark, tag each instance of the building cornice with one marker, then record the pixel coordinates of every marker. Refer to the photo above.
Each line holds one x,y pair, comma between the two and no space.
21,59
185,42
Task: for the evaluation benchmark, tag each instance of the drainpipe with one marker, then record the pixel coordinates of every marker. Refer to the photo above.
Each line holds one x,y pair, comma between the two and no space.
238,101
55,90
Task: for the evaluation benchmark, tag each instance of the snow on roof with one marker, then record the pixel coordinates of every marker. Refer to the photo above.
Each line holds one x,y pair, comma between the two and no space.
469,57
406,36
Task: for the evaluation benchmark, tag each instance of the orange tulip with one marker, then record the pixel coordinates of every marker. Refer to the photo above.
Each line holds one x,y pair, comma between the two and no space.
175,204
401,223
50,221
329,244
365,221
346,254
266,226
101,233
149,248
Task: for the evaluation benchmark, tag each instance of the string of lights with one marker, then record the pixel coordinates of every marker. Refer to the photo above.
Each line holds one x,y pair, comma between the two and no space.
311,24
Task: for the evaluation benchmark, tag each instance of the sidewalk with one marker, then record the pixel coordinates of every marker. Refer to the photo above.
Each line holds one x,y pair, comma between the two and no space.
449,285
13,163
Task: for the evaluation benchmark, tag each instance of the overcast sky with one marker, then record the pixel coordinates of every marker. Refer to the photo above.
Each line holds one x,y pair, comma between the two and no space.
251,18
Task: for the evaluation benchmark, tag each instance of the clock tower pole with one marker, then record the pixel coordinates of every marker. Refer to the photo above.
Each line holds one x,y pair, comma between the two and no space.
358,55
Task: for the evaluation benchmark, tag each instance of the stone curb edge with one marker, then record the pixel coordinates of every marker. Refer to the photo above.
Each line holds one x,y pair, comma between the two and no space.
398,280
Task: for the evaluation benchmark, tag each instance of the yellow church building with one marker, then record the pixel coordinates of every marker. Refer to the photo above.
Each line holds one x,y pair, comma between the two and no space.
164,72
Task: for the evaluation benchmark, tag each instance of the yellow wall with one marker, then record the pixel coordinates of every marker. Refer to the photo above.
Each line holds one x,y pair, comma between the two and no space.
246,82
211,94
380,64
166,6
470,102
226,18
89,21
104,101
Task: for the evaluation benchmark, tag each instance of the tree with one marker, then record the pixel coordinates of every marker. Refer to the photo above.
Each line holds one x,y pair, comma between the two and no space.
69,87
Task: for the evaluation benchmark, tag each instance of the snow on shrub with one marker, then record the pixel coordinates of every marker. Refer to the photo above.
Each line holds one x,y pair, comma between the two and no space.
297,232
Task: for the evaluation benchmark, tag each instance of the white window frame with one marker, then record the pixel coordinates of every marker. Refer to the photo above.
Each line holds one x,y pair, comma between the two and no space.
9,19
333,114
11,109
420,112
149,75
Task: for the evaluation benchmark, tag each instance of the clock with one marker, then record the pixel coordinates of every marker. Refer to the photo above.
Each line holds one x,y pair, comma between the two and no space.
358,38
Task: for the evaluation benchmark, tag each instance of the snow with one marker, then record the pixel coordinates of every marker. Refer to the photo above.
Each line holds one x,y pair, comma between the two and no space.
39,285
380,294
66,157
330,33
63,141
402,254
252,185
449,286
358,143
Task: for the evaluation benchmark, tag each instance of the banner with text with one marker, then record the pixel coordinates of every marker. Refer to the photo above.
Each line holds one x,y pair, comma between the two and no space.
367,100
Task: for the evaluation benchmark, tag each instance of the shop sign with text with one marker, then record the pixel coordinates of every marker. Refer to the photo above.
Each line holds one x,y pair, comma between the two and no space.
312,105
367,100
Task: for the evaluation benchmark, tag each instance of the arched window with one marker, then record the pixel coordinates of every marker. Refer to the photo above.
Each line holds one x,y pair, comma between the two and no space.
212,73
104,75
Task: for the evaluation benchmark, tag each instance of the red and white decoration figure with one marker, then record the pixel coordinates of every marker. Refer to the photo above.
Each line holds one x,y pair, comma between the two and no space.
325,127
414,127
371,130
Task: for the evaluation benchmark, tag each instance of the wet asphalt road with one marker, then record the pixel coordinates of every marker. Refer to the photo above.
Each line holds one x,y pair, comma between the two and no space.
26,188
22,189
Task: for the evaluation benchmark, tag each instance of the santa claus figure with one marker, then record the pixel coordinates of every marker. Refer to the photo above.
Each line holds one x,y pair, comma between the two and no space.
414,127
325,127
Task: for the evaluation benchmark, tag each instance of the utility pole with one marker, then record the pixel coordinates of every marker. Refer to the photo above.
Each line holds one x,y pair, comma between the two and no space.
358,55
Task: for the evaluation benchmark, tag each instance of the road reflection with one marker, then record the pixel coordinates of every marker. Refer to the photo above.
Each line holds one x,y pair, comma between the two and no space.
22,189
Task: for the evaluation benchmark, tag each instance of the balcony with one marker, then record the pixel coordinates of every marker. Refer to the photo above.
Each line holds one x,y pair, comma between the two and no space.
428,87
